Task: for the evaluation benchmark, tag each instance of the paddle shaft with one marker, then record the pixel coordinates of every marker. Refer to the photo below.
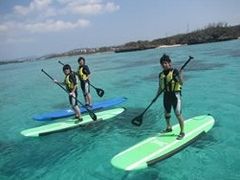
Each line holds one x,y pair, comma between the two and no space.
92,86
183,66
60,85
93,116
139,118
152,102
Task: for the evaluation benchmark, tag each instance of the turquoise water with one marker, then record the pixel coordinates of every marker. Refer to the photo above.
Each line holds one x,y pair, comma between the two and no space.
211,86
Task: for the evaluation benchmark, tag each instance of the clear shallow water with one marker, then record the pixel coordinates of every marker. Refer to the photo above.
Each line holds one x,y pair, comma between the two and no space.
211,86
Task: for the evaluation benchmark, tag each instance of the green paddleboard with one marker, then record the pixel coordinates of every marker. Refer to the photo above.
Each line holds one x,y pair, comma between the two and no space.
162,146
69,123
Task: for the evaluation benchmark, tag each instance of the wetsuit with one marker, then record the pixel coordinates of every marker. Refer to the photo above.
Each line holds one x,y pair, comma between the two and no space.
71,81
172,90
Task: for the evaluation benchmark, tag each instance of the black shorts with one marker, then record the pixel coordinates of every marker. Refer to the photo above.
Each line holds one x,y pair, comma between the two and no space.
172,99
72,100
85,87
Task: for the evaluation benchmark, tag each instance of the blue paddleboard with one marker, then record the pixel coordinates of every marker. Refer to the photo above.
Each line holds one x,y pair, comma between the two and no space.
62,113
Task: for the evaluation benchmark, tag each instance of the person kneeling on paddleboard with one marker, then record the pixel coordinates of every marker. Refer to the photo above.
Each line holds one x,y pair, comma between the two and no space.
70,82
170,82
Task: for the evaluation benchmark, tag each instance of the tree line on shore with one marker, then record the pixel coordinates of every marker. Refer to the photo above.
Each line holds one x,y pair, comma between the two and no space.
211,33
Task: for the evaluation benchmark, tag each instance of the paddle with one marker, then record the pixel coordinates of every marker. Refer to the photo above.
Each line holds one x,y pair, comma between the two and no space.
91,113
137,121
100,92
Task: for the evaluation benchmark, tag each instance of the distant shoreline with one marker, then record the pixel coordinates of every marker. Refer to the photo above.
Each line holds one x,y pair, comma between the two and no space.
174,45
215,33
42,59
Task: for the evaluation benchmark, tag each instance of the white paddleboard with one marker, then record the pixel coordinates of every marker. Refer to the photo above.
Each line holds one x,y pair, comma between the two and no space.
70,123
162,146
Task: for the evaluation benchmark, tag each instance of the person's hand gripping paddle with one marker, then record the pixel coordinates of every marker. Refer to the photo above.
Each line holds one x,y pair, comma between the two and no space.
90,112
100,92
137,121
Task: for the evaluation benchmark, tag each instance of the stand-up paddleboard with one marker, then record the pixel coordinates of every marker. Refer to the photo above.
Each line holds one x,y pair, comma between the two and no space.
70,123
69,112
162,146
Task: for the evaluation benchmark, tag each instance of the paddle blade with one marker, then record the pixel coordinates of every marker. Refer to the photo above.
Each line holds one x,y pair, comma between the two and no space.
137,121
100,92
92,115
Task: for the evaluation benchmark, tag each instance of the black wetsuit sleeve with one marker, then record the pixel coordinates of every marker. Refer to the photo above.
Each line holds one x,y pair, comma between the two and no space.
86,70
175,72
176,76
73,79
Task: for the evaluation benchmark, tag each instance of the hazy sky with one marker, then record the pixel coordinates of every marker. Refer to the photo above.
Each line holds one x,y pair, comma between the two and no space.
40,27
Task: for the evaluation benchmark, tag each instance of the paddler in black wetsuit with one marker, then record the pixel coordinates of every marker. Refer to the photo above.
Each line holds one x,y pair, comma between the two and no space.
84,75
70,82
170,81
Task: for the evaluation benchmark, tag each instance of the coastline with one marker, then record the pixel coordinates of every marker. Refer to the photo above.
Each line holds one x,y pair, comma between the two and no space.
174,45
210,34
43,58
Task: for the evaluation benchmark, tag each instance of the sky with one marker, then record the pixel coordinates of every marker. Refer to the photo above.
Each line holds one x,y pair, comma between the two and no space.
40,27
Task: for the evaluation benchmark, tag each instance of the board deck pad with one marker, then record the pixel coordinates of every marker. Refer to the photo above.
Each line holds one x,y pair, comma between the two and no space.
70,123
162,145
66,112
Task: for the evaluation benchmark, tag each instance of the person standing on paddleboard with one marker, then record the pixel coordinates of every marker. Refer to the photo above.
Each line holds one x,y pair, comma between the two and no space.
170,82
84,75
70,82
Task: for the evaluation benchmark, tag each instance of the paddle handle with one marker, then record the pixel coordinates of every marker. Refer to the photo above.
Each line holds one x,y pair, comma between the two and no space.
61,63
47,74
183,66
189,59
53,80
60,86
138,120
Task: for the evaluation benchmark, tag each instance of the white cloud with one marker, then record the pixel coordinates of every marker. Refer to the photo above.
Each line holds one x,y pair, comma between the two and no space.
86,9
55,26
54,8
42,27
91,7
8,27
111,7
35,5
65,15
